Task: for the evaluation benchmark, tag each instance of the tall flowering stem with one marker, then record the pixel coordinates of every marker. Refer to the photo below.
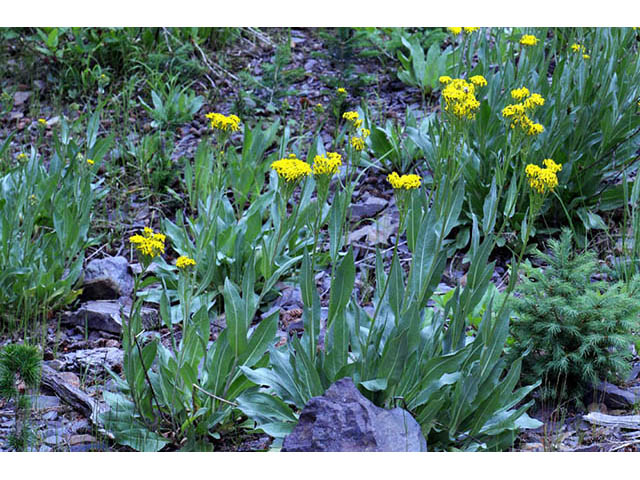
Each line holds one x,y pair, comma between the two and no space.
222,126
541,181
403,187
290,171
149,245
324,167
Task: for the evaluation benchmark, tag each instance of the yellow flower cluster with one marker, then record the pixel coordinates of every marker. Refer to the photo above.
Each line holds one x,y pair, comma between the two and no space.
42,121
456,30
543,180
149,243
459,97
341,91
517,113
291,168
577,48
184,262
529,40
90,162
478,81
520,93
224,123
406,182
327,165
354,118
358,142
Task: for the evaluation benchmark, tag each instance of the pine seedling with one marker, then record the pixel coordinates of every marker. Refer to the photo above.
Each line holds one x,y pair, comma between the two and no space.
19,365
578,332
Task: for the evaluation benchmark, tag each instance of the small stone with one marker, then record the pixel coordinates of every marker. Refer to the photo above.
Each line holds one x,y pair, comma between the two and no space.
615,397
368,208
54,364
52,415
105,315
20,97
54,440
107,279
71,378
78,439
80,426
42,402
93,361
45,448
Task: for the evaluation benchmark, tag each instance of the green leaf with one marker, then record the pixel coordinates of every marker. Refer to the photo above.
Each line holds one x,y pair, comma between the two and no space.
311,305
342,286
262,337
236,322
375,385
121,420
490,209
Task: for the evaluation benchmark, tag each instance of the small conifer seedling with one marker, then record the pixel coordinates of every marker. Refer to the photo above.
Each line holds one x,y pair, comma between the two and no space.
578,332
19,364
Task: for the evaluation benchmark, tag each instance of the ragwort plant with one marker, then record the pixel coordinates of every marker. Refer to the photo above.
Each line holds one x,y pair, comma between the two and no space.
459,388
45,214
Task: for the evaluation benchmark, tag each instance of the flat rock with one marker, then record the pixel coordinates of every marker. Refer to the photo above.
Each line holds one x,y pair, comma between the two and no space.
42,402
107,279
105,315
615,397
78,439
92,362
343,420
368,208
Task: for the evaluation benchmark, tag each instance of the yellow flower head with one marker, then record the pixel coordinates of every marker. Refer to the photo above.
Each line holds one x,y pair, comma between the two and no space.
533,128
529,40
543,180
22,156
535,100
357,143
478,80
455,30
184,262
586,57
459,98
405,182
470,29
365,132
291,169
341,91
90,162
149,243
576,47
327,165
354,118
444,79
224,123
42,121
520,93
551,165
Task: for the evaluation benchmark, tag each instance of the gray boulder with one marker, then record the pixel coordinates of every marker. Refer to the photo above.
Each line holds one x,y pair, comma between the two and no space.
105,315
107,279
615,397
343,420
